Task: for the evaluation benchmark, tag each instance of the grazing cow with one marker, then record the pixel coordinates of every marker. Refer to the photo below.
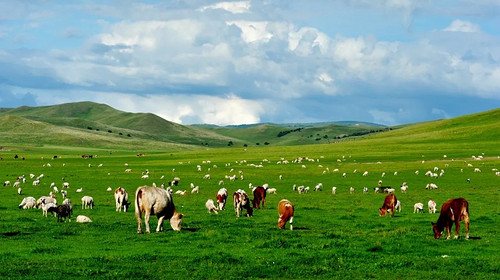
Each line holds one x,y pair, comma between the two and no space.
286,211
221,198
432,206
418,207
453,210
259,195
159,202
389,205
241,201
87,201
121,199
210,205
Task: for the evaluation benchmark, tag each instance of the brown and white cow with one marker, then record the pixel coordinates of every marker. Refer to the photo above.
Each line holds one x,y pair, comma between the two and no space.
156,201
241,201
389,205
121,199
259,196
286,211
221,199
453,210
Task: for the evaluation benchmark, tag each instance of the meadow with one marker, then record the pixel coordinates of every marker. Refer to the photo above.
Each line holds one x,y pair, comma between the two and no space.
335,236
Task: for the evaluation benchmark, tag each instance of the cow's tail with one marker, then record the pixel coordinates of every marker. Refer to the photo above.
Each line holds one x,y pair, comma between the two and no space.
138,195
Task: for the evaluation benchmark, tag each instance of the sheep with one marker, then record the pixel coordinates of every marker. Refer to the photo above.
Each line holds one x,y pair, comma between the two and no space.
145,176
65,185
109,189
318,187
87,201
477,170
432,206
365,173
351,190
44,200
210,205
306,189
36,182
79,190
195,189
334,190
300,189
398,206
49,207
28,203
16,184
365,190
6,183
184,192
83,219
19,191
404,188
271,191
418,207
431,186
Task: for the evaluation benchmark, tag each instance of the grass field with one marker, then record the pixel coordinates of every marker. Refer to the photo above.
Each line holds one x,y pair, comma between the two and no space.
336,236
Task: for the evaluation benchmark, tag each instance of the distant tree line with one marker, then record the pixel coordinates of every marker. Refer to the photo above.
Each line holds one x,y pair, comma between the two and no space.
283,133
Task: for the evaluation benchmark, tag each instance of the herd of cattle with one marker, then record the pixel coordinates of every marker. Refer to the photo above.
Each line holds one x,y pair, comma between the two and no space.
158,201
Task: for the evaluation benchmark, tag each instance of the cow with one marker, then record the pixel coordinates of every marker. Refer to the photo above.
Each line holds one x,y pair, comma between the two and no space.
121,199
159,202
241,201
453,210
286,212
259,195
389,205
221,199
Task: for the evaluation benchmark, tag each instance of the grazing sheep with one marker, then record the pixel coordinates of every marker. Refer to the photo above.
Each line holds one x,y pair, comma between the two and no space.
300,189
65,185
365,190
79,190
184,192
87,201
28,203
83,219
306,189
16,184
195,189
210,205
431,186
19,191
351,190
398,206
318,187
271,190
6,183
44,200
334,190
418,207
49,207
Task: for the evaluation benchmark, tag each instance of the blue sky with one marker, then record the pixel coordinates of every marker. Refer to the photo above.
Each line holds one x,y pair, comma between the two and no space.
240,62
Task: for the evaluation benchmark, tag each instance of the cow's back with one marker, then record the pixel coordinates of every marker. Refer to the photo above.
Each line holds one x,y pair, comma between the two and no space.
156,201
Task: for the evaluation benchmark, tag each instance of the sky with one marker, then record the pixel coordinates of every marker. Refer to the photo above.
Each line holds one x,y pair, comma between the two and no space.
243,62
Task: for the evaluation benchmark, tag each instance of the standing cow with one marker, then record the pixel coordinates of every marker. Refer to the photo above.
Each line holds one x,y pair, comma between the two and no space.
221,199
121,199
259,196
389,205
453,210
285,211
156,201
241,201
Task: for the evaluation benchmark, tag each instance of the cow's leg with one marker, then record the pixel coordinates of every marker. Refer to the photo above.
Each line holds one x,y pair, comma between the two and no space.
160,223
139,222
447,228
146,221
291,223
466,221
457,228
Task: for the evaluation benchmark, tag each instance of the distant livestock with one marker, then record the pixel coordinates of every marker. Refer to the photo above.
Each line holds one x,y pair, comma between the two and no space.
286,212
87,202
389,205
418,207
453,210
159,202
121,199
432,206
63,212
259,197
83,219
27,203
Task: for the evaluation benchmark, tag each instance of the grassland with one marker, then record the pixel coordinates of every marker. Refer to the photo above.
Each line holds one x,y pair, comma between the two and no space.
336,236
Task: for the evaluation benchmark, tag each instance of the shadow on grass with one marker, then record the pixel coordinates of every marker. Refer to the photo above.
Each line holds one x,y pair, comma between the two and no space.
474,237
301,228
190,229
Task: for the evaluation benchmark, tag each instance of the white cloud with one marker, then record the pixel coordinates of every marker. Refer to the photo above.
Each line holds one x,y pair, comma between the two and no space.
462,26
238,7
252,31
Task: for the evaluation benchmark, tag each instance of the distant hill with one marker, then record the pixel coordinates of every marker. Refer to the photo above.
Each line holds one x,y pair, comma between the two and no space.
92,125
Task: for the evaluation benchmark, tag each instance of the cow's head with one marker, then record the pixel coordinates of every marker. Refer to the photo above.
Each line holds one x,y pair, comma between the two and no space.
382,212
176,221
437,230
281,222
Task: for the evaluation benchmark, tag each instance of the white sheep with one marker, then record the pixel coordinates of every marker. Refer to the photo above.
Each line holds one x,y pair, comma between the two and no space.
398,206
318,187
365,190
210,205
351,190
271,191
431,186
334,190
28,203
195,189
432,206
87,202
48,207
418,207
83,219
184,192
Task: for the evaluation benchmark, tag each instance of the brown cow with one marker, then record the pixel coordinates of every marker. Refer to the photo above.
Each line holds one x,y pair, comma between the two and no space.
259,195
389,205
453,210
156,201
286,211
241,201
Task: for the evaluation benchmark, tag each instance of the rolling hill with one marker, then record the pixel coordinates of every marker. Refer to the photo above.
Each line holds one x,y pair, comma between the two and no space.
91,125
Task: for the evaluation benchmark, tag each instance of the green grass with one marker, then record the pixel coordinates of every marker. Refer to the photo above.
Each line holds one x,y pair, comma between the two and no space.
336,236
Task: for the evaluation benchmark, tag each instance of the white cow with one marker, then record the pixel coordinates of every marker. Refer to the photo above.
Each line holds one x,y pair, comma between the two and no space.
121,199
159,202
